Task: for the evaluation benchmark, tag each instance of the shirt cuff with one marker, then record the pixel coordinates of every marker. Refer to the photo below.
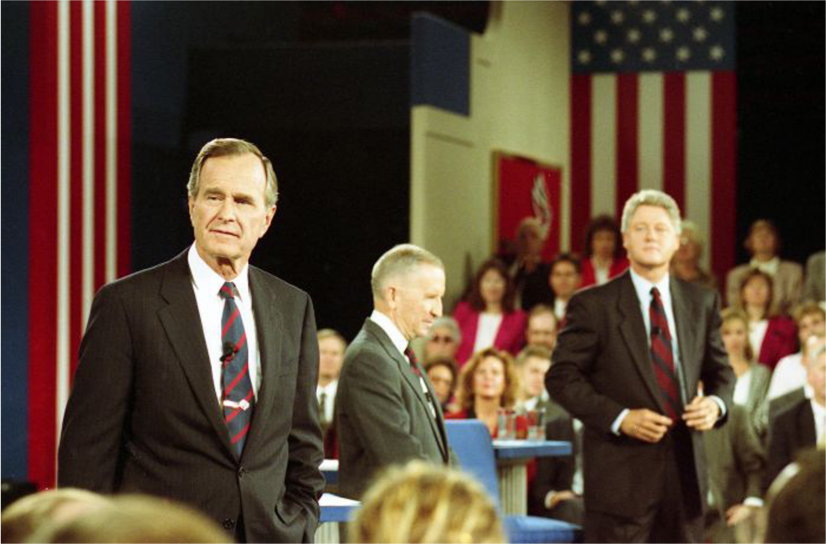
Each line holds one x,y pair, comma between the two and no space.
753,501
615,427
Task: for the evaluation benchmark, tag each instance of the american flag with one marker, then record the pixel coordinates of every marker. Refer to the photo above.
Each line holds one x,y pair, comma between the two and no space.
653,105
79,183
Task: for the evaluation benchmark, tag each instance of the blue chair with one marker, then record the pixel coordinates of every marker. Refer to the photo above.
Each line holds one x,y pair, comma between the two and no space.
471,441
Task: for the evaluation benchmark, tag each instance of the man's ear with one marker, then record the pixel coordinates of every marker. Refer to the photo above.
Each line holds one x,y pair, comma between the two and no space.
268,219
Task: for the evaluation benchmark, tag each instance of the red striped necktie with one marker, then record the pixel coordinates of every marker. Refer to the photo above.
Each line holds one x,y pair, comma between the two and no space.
662,357
237,398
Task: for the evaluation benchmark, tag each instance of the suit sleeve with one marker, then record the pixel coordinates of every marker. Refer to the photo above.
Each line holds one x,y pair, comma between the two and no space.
304,482
716,373
568,380
377,412
780,446
751,459
89,454
554,473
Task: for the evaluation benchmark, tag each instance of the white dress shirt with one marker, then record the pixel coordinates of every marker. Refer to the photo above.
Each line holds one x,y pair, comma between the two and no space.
788,375
329,391
486,330
206,284
401,343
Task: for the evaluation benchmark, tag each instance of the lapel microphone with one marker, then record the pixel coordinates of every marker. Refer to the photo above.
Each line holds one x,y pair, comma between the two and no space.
228,352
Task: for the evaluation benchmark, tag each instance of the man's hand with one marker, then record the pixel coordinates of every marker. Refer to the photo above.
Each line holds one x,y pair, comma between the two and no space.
645,425
556,497
701,413
738,513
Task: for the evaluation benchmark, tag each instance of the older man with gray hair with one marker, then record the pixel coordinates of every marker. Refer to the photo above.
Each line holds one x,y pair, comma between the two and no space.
387,410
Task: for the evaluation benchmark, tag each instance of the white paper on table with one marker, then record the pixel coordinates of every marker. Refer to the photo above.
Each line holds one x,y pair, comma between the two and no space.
328,499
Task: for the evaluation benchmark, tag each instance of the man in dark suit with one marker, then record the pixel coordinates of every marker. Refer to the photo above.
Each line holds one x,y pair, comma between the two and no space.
196,377
386,408
628,365
800,424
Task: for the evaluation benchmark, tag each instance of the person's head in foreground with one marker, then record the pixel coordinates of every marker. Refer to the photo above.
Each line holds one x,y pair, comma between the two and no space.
25,516
421,502
796,500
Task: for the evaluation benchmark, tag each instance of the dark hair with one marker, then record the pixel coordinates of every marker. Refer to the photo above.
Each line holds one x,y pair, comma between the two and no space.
475,297
567,258
603,222
763,224
446,362
796,509
750,275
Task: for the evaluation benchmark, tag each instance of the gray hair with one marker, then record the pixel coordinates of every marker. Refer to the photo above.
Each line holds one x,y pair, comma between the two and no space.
399,260
446,322
227,147
651,197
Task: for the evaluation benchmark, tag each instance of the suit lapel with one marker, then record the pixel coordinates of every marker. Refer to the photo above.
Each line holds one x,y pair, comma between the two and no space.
412,380
806,431
269,325
182,323
632,328
686,339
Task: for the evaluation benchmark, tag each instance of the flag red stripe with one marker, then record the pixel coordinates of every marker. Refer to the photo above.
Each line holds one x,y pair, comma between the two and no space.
100,144
674,108
42,240
124,138
627,135
580,158
723,172
75,180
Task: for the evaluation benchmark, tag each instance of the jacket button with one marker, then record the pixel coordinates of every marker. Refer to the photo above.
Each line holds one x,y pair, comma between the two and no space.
241,472
229,524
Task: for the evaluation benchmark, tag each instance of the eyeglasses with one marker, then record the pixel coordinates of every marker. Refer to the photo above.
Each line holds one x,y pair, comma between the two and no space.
442,339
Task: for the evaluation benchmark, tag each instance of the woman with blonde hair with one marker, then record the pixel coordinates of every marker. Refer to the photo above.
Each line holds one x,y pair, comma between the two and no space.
487,383
421,502
753,380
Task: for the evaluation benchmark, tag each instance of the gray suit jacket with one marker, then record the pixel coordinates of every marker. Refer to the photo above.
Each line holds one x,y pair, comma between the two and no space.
602,365
383,416
143,415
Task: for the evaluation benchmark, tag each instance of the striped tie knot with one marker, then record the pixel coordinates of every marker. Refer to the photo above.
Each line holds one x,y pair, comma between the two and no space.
227,290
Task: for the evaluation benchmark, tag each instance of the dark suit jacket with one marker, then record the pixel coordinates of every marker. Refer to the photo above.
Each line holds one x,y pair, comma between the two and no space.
736,461
143,415
553,473
383,417
790,431
601,365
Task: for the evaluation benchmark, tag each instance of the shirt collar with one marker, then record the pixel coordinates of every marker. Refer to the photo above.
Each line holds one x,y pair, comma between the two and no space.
203,277
769,267
643,288
390,328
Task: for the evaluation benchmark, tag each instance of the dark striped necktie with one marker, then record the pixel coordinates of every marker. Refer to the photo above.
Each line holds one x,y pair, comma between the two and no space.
237,398
662,357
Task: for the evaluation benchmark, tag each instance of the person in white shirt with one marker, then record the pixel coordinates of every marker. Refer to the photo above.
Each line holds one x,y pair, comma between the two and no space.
790,372
331,346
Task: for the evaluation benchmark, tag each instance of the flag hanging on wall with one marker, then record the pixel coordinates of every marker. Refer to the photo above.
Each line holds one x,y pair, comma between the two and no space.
653,105
79,182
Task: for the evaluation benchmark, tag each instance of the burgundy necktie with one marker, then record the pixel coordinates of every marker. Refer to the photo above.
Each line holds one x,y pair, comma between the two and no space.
414,366
237,398
662,357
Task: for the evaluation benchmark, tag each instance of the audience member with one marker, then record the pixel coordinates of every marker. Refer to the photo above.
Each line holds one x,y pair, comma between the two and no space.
331,347
528,271
541,329
815,287
531,365
425,503
136,518
685,264
604,257
763,243
443,339
565,279
736,462
790,372
442,373
489,318
24,517
800,425
752,379
796,508
772,336
487,383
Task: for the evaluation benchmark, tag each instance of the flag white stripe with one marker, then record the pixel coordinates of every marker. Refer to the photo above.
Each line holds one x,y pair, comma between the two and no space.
111,140
603,143
698,155
650,139
63,208
88,160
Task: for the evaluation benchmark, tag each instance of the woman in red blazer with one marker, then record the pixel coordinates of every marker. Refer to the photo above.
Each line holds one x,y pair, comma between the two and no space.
488,318
772,336
603,251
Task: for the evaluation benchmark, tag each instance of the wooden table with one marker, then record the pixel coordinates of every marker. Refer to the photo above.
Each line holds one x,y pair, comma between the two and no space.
512,458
